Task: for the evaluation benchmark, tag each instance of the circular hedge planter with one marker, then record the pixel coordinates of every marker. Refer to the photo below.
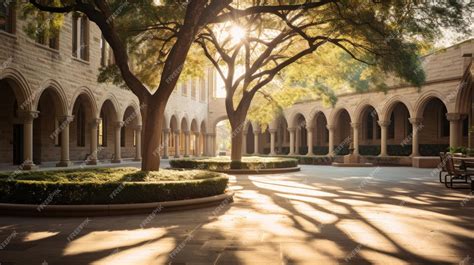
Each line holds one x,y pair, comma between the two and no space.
248,165
108,186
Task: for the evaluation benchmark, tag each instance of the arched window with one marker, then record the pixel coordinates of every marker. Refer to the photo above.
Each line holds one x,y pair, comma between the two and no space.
80,37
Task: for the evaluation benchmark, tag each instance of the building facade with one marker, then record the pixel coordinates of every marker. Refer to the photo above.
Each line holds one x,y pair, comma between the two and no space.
53,110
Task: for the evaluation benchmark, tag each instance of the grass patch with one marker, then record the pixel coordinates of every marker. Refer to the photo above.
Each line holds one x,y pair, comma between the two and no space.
224,163
109,186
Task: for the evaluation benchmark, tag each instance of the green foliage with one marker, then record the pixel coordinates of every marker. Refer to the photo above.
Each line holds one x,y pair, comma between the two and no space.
41,24
224,163
109,186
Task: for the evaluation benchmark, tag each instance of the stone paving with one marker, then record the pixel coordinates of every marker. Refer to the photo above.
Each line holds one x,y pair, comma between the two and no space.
321,215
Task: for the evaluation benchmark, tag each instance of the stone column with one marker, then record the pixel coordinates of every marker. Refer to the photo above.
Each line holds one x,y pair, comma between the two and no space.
187,139
417,126
331,129
383,137
176,144
454,128
292,141
166,142
310,141
64,130
244,144
28,118
92,158
204,144
255,142
355,141
197,141
138,147
118,148
272,141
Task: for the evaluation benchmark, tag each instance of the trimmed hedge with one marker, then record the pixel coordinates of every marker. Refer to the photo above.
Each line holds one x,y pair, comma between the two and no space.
113,192
224,163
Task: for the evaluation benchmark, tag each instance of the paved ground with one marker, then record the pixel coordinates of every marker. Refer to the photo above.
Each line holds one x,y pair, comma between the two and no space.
322,215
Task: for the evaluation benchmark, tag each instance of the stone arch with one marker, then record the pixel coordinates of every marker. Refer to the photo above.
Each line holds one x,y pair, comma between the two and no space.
86,93
463,97
184,124
114,103
335,114
424,99
174,126
391,103
291,118
313,115
360,110
194,126
135,117
203,126
22,90
219,119
60,99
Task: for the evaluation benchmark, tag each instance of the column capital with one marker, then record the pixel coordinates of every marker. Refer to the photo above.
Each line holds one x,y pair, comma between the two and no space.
29,115
119,124
272,130
177,131
65,118
453,116
416,121
384,123
331,127
138,128
166,130
210,134
355,125
197,133
291,129
96,121
186,132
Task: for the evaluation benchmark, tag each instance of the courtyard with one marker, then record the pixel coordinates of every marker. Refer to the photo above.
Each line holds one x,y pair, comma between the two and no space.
320,215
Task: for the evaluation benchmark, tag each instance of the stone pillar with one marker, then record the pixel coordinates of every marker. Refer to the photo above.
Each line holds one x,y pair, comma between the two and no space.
138,146
187,136
92,158
176,144
454,128
272,141
417,126
292,141
244,144
28,118
331,129
310,141
64,130
255,142
204,144
197,141
166,142
118,148
383,137
355,136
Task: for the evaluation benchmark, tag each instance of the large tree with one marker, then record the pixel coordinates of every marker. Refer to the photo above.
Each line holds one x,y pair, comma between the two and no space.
254,47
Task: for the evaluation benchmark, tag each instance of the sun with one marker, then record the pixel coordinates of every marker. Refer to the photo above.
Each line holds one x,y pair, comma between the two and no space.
237,33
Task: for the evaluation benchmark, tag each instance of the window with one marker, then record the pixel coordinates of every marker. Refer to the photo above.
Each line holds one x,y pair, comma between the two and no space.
7,17
184,89
202,90
80,37
193,88
106,53
48,38
102,130
81,127
391,127
122,136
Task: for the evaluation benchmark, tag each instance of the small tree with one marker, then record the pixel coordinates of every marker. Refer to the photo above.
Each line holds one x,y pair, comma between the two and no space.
249,51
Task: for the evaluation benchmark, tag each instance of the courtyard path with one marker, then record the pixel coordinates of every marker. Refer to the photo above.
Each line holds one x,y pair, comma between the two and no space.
321,215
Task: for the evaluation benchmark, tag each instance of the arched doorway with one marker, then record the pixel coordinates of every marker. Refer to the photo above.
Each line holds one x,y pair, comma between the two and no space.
106,131
11,126
283,137
343,133
301,135
370,132
129,132
320,134
399,131
250,140
223,138
434,135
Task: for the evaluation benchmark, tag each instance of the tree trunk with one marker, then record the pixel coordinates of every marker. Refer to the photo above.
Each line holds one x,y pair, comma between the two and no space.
153,117
237,124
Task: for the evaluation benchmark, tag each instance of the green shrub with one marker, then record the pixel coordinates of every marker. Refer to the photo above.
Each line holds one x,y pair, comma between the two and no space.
224,163
109,187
